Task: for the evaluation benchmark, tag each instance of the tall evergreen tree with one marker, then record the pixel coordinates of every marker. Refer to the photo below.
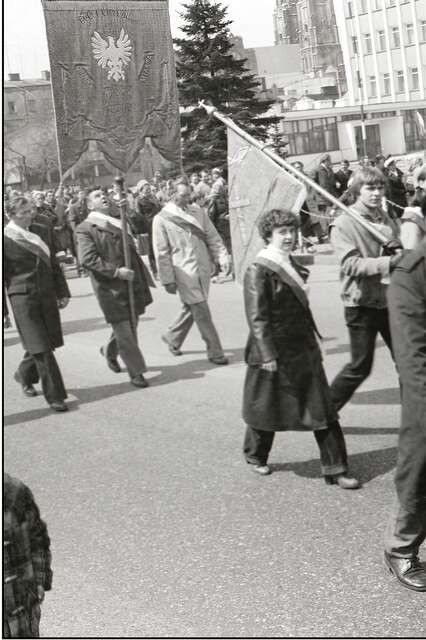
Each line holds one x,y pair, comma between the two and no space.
206,69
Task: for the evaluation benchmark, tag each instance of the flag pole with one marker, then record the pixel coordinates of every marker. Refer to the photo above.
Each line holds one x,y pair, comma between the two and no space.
119,181
380,237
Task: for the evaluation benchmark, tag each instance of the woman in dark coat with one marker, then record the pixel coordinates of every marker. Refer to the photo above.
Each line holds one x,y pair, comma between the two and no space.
286,388
37,289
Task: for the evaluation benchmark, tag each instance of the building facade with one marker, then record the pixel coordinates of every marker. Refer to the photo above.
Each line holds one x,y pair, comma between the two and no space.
319,40
384,49
286,26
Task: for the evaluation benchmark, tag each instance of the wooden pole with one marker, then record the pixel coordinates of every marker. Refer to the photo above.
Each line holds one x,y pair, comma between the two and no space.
380,237
119,181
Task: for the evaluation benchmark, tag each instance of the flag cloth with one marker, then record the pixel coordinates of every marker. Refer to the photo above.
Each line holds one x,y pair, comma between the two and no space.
420,123
256,184
113,78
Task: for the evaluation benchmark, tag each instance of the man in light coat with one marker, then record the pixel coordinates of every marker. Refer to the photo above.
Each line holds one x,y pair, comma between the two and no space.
185,242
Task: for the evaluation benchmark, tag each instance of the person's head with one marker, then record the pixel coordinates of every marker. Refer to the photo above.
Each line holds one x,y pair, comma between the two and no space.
368,187
97,200
82,195
144,188
204,175
421,178
390,163
278,227
326,160
183,194
297,164
345,165
38,197
50,197
20,211
195,178
216,173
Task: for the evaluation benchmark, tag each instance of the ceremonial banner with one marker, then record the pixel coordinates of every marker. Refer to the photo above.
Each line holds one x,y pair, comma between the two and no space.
256,184
113,78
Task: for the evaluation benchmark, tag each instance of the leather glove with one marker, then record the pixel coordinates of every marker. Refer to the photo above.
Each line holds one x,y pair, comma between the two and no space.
392,247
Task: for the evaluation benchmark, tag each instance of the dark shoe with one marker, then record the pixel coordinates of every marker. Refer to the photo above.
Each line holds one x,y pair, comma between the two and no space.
139,381
27,389
261,469
173,350
58,406
409,571
112,364
343,481
219,360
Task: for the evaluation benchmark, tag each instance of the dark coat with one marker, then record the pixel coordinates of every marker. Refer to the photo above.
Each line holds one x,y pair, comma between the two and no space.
101,252
395,192
282,328
26,560
326,178
34,289
407,313
342,178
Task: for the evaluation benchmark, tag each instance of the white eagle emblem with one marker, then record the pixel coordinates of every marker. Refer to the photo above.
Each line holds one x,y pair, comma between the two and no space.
111,55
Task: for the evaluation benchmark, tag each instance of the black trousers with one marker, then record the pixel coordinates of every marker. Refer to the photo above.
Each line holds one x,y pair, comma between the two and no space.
331,443
363,324
43,367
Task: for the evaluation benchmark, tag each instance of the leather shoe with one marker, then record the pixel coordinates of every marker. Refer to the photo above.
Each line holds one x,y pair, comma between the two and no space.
409,571
59,406
111,362
343,481
173,350
261,469
27,389
219,360
139,381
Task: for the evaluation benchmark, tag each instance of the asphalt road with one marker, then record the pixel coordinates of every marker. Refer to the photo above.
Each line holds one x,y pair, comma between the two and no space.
158,526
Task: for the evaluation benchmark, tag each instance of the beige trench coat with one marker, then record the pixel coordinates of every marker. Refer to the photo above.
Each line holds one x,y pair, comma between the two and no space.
182,257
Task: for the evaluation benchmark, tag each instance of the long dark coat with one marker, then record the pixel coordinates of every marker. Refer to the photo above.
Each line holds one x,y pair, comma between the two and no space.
101,252
34,289
407,313
282,328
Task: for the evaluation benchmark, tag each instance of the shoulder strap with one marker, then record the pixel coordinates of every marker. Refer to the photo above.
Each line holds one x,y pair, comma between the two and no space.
184,224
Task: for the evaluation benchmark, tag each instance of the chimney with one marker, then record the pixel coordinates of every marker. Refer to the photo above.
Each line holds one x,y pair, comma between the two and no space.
45,75
14,77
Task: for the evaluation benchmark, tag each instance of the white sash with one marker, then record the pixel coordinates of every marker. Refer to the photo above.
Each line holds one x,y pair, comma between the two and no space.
173,209
24,237
102,220
275,255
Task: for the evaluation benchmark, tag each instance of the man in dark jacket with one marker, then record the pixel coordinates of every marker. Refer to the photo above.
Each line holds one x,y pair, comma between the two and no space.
395,190
407,309
37,289
101,252
342,176
26,561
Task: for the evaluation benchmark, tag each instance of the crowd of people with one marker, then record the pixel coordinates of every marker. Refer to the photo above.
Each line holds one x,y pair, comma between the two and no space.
183,226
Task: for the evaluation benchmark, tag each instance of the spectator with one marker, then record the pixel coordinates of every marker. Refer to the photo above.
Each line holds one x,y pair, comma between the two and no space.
343,175
147,208
395,191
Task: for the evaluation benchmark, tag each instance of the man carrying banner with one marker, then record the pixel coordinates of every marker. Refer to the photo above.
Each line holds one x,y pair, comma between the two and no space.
184,238
37,289
101,252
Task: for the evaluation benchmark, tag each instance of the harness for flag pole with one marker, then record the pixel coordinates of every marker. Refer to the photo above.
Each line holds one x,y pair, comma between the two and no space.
119,181
304,179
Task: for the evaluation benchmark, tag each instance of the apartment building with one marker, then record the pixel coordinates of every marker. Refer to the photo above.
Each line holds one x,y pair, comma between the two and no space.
286,27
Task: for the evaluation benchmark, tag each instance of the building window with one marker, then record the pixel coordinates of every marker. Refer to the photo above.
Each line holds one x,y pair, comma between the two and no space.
381,40
396,37
415,137
409,30
362,7
373,87
312,136
350,9
386,84
423,30
355,44
400,81
12,107
367,42
414,72
392,3
378,4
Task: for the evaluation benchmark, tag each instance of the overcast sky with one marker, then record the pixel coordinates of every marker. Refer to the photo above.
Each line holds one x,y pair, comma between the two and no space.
25,36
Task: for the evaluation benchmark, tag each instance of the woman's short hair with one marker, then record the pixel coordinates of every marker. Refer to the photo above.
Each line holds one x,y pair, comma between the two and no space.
274,218
16,203
366,175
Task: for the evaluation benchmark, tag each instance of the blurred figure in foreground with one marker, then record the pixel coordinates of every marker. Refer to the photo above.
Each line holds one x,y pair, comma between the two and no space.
26,561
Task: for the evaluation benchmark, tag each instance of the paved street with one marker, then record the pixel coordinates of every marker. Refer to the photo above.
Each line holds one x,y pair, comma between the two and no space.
159,528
